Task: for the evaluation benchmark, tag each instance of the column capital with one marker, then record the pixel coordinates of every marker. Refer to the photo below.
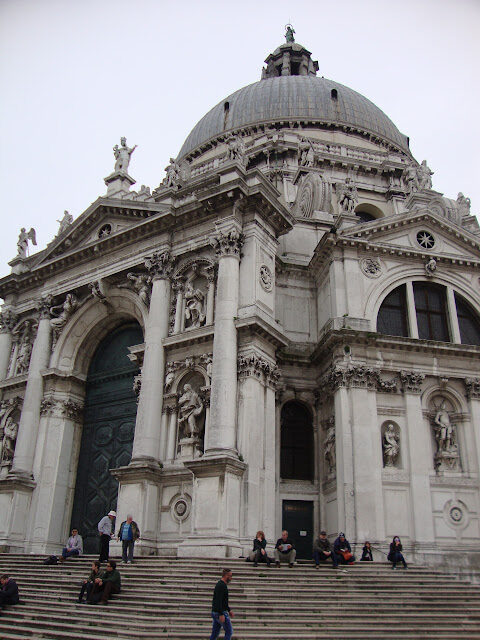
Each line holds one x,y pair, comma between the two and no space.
227,243
160,265
43,306
411,381
8,319
472,386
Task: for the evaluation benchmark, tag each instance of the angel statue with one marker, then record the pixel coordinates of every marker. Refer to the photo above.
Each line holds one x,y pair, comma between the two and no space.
22,243
122,155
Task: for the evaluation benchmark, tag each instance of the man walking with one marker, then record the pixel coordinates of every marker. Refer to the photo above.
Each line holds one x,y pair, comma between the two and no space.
105,531
128,534
221,612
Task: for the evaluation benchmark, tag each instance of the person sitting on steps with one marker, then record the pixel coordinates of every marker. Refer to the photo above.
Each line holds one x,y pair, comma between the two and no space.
395,555
8,591
87,584
322,551
285,550
367,555
109,582
343,550
259,553
74,546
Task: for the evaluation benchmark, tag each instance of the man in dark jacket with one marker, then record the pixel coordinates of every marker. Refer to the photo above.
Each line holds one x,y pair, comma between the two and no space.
221,612
285,550
8,591
128,533
108,583
322,550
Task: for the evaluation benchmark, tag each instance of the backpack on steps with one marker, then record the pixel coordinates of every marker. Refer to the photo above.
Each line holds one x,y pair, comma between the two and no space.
51,560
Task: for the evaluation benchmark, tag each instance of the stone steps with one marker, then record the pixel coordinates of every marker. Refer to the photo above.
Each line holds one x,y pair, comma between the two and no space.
171,598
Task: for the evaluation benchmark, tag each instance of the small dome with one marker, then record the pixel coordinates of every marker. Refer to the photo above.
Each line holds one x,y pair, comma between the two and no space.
297,98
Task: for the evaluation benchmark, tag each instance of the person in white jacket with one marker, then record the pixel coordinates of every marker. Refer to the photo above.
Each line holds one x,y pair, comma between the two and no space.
74,546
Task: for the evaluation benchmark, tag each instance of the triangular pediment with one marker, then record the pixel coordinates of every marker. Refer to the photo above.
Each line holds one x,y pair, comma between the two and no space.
105,218
418,233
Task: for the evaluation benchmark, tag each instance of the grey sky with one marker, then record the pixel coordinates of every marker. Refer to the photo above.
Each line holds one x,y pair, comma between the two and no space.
77,75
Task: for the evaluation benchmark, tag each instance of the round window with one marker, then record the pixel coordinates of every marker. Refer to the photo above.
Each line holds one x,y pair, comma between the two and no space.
425,239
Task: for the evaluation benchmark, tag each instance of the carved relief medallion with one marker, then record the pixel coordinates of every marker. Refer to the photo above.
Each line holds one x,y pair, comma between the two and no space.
266,279
371,267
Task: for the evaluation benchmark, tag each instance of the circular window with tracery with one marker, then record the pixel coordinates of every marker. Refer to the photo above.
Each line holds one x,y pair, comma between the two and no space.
425,239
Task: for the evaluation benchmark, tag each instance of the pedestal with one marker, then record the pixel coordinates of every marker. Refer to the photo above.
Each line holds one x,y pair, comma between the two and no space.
118,183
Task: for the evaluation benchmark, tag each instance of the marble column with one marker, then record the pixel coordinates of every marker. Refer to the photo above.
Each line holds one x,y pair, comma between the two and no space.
221,433
472,386
146,444
210,299
29,421
178,287
7,322
344,459
420,453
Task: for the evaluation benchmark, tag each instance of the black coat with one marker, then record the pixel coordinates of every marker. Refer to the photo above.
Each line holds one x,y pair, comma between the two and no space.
394,548
11,591
258,545
367,554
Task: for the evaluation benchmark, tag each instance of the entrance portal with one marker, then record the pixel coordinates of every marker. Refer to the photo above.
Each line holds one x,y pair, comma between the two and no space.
108,429
297,519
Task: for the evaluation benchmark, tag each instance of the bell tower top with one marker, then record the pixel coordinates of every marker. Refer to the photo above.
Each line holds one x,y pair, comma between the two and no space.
290,59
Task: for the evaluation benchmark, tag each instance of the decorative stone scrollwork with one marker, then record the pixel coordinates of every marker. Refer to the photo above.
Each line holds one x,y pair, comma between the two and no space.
266,278
61,408
8,320
447,455
61,314
387,386
43,306
361,377
227,244
472,386
137,386
142,284
180,507
390,445
72,410
411,381
252,365
357,376
371,267
160,265
314,194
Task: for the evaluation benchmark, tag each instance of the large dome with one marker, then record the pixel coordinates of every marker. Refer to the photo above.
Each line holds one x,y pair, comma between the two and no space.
297,98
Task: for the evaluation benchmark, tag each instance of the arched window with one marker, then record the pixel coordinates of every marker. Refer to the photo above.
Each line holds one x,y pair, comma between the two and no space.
431,308
468,322
296,442
392,316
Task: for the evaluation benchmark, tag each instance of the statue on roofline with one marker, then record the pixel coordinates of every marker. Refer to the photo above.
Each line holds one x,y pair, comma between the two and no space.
122,155
289,33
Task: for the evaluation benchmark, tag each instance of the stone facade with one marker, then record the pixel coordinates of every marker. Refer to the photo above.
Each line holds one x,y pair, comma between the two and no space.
263,272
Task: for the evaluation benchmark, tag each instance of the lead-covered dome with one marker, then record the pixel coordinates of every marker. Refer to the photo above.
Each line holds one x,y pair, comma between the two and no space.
290,91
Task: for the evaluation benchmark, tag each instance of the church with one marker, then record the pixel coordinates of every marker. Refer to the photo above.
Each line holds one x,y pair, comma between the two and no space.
285,333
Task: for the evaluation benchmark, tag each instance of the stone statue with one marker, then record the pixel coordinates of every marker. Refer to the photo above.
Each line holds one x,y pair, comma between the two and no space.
411,178
65,222
62,312
173,174
329,450
207,360
25,349
122,155
424,176
431,267
236,148
444,434
289,33
190,409
306,154
142,285
22,243
463,205
9,438
194,306
348,196
390,446
170,375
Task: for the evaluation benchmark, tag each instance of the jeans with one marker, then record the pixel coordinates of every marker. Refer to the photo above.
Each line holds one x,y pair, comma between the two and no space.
68,554
127,545
319,556
86,587
397,557
217,625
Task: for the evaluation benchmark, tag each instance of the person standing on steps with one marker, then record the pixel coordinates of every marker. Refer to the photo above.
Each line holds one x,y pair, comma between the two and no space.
259,553
395,555
322,551
74,546
105,527
128,533
285,550
221,612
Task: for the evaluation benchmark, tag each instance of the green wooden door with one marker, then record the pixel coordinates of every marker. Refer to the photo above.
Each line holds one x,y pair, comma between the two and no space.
108,429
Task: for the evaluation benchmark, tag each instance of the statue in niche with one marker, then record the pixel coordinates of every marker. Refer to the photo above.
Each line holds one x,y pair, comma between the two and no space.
172,174
190,410
446,455
207,360
25,349
122,155
65,222
390,446
463,205
329,450
62,312
194,306
347,196
9,439
141,284
22,243
170,375
424,174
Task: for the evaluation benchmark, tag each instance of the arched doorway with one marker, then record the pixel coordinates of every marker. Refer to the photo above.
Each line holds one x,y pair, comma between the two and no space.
108,429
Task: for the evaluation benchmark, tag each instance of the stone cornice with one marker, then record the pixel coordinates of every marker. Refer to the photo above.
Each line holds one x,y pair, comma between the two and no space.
208,467
194,336
257,325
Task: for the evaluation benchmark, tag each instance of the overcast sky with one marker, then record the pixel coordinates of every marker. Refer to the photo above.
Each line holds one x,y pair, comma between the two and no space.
77,74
